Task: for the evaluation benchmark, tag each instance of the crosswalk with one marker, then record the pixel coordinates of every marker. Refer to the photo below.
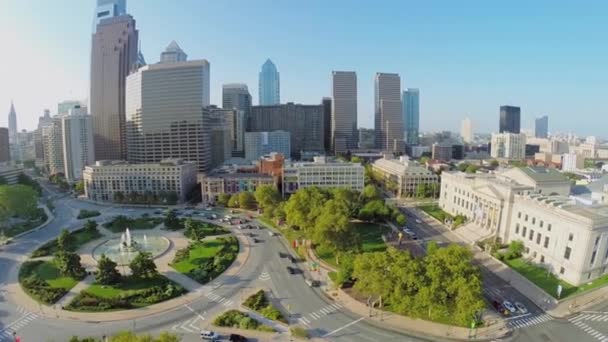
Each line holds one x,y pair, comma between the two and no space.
313,316
527,320
583,321
219,299
6,333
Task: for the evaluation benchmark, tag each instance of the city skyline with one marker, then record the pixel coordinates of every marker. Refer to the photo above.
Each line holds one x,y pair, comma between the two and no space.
528,83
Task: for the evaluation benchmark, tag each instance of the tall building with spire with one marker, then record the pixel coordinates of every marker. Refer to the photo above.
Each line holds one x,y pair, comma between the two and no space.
12,124
173,53
114,53
269,85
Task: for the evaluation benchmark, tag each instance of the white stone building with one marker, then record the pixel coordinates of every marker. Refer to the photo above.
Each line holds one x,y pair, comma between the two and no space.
508,146
406,174
77,142
323,173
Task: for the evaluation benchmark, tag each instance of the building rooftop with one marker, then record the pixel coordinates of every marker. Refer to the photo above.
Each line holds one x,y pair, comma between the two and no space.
541,174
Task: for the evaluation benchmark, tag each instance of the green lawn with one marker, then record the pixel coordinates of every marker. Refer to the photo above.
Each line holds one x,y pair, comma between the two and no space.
198,253
48,272
549,282
80,237
371,241
119,225
42,281
436,212
128,286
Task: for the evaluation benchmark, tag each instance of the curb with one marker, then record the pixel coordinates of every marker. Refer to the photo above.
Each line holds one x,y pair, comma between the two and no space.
49,217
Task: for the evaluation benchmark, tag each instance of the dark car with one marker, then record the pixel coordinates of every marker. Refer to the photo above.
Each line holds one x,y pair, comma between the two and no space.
237,338
282,255
292,259
499,308
291,270
256,240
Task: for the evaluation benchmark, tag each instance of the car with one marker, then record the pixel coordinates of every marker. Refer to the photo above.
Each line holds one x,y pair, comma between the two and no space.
292,259
313,283
291,270
521,307
213,216
209,335
282,255
256,240
271,233
418,221
509,306
237,338
158,212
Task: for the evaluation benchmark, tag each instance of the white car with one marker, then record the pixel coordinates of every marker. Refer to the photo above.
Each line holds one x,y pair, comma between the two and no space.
521,307
418,221
509,306
209,335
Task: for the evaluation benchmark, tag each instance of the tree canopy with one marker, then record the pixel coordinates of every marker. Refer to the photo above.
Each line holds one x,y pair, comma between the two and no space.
107,273
246,200
143,266
18,200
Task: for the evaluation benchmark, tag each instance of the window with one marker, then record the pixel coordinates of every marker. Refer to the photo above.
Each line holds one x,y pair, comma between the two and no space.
526,218
549,227
570,237
597,241
588,275
534,220
523,233
538,237
592,258
542,258
567,253
531,236
517,228
562,270
546,242
534,255
542,223
519,215
527,250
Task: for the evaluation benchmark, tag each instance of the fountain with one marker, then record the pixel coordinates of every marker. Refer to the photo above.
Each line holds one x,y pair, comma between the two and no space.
122,250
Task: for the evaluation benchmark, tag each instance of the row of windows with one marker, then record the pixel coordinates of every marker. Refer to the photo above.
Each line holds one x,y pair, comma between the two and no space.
530,235
533,220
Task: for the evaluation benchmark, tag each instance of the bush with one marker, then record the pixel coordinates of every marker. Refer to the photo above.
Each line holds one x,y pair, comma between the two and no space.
259,303
36,287
237,319
84,214
299,332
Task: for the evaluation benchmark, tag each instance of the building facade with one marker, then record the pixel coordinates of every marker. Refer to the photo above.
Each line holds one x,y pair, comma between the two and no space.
222,182
572,162
388,111
322,173
508,146
269,85
510,118
303,122
113,55
344,112
541,127
167,114
441,152
466,130
220,136
411,115
107,9
327,105
12,124
77,143
10,173
115,181
406,176
258,144
52,139
5,154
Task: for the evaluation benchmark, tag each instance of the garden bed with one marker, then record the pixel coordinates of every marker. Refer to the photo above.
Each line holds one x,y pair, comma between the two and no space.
240,320
203,261
260,304
84,214
79,238
42,281
436,212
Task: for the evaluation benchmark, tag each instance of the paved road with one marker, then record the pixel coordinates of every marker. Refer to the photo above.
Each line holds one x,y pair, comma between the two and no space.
264,269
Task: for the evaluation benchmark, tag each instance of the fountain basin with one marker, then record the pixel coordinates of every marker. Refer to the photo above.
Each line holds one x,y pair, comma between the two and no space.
115,248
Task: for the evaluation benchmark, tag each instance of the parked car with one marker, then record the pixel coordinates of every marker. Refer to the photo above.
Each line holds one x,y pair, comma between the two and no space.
208,208
509,306
291,270
313,283
256,240
521,308
292,259
209,335
499,308
282,255
418,221
237,338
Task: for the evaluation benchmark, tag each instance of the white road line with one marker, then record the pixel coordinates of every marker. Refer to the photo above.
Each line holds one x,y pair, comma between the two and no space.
337,306
343,327
315,316
301,320
325,311
193,311
516,317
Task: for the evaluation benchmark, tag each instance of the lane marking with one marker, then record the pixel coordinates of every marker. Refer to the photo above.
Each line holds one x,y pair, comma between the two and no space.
196,313
343,327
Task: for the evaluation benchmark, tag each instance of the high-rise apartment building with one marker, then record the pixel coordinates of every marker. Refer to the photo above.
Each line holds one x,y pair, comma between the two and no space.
173,53
52,140
388,116
113,55
43,121
77,142
411,115
108,9
236,98
303,122
541,127
258,144
466,130
269,85
508,146
510,118
167,115
5,154
220,135
344,134
12,124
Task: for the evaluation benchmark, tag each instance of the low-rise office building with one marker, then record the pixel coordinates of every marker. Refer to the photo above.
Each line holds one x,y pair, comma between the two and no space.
115,181
323,173
10,173
228,181
404,175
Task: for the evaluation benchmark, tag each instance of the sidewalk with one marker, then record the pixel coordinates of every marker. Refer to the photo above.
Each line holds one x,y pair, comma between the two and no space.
75,291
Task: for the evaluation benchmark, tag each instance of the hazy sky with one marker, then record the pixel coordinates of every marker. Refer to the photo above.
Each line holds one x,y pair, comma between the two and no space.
467,57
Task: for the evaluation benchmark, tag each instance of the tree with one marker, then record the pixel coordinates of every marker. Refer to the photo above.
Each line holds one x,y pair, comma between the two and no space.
400,219
19,200
233,202
64,240
171,221
192,230
349,198
107,273
424,160
374,211
24,179
471,168
515,250
356,159
3,181
143,266
69,265
246,200
90,226
371,192
223,199
494,163
303,207
79,187
333,227
268,197
421,190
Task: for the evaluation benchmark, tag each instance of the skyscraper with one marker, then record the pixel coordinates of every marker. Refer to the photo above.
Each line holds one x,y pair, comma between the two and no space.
108,9
113,55
77,142
269,85
411,115
327,104
12,124
5,154
388,116
236,98
167,115
173,53
510,117
541,127
466,130
344,134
